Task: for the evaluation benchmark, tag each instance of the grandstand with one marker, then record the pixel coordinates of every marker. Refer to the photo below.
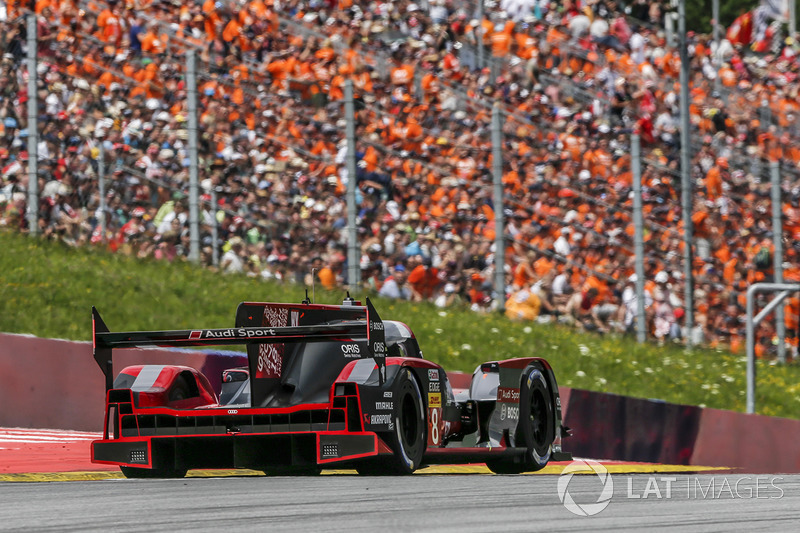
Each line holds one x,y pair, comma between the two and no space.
573,85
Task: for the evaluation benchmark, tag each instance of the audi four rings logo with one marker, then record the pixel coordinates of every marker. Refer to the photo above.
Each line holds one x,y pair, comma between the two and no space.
585,466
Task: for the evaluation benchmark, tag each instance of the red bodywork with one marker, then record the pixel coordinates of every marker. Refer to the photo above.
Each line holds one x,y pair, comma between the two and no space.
161,392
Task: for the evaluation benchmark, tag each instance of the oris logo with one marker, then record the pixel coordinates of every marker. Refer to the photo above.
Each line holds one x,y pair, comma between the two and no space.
351,350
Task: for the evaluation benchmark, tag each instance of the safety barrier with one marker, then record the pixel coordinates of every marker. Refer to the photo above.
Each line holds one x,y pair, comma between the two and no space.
613,427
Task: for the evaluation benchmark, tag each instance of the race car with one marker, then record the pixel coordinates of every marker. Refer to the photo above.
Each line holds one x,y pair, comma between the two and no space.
325,386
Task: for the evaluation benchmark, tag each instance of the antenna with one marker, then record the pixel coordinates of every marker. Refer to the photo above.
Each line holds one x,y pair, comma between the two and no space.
306,301
313,285
349,300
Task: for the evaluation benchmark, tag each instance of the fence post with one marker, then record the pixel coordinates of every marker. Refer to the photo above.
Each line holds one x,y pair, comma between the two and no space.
499,223
214,231
479,33
353,271
777,239
33,129
638,222
101,184
715,28
686,179
191,92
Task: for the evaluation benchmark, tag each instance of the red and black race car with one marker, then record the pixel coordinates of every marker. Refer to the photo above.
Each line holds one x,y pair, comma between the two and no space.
326,386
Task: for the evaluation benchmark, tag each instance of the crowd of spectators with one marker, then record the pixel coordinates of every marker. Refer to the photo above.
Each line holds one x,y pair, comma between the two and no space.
574,79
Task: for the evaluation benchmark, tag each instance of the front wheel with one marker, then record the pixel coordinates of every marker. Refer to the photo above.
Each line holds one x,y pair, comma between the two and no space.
536,428
407,437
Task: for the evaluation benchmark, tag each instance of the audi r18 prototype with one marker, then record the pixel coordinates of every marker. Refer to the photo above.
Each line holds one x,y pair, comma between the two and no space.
325,386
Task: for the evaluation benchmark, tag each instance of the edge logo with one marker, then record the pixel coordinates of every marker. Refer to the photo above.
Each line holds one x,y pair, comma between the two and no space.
585,466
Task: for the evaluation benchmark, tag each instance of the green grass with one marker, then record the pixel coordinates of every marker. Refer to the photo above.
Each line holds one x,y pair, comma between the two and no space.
47,290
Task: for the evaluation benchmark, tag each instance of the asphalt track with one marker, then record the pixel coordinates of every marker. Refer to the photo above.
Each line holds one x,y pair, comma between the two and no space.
454,502
35,496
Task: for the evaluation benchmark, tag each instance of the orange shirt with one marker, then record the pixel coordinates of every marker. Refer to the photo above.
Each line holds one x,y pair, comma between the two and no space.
424,280
327,278
501,44
403,75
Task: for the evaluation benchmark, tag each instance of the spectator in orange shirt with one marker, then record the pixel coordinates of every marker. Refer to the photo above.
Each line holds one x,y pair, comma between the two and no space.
715,177
328,274
424,280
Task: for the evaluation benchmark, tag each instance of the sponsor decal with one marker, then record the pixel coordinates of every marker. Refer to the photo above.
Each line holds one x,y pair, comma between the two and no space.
379,348
434,386
351,351
220,334
275,317
387,394
510,412
270,356
376,341
380,420
233,411
232,333
507,394
434,399
433,374
384,406
295,318
270,361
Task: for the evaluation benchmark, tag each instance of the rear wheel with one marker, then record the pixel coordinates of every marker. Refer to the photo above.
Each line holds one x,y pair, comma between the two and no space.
180,390
536,428
407,438
149,473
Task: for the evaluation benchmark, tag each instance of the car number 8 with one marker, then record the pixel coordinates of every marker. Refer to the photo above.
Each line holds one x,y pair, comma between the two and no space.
435,426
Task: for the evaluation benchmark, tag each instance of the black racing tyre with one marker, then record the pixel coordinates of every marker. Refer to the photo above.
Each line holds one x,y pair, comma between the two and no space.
180,390
408,439
537,409
536,428
148,473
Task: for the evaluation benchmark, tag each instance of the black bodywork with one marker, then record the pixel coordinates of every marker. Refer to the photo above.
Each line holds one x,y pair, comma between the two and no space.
330,386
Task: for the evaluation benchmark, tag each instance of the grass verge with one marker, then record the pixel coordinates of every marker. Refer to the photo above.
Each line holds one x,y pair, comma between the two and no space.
47,289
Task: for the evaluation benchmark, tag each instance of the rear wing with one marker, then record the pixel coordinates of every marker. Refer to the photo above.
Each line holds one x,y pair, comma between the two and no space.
104,341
